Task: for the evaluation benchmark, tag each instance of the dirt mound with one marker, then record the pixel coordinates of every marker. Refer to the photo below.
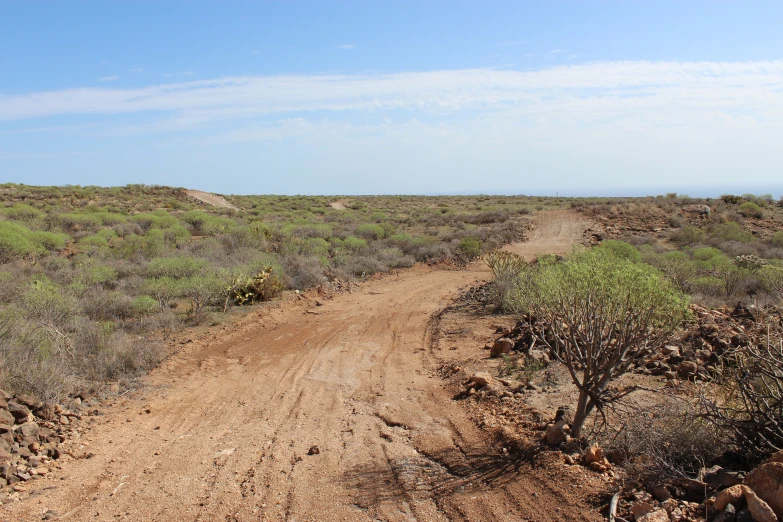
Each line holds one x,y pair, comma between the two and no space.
210,199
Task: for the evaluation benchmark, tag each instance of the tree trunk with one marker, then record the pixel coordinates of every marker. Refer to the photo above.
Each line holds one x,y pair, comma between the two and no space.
580,416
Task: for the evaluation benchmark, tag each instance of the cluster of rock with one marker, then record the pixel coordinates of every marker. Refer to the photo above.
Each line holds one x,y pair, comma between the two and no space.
31,434
700,350
758,498
521,339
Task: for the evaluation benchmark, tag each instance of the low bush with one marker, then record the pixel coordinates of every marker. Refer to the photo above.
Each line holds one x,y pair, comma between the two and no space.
470,246
750,209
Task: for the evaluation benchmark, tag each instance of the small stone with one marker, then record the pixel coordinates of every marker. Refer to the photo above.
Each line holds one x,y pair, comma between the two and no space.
688,368
661,494
502,346
313,450
671,350
659,515
593,454
727,515
639,509
480,380
555,433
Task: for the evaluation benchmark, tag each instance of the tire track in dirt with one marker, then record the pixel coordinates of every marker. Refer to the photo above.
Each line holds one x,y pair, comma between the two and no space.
231,421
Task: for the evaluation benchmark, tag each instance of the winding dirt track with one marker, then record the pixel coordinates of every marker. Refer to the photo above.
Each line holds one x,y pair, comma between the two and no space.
231,422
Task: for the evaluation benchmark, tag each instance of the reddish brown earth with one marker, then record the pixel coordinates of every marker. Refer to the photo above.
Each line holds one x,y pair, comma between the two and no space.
227,429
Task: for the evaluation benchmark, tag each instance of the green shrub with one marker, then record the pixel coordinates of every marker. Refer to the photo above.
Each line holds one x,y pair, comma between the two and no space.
175,267
679,268
688,235
470,246
370,231
144,306
706,253
732,232
354,243
777,239
49,241
621,250
22,212
750,209
602,312
707,285
163,289
15,242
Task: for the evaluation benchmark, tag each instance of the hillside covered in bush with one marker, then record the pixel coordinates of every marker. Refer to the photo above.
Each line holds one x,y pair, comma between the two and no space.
92,280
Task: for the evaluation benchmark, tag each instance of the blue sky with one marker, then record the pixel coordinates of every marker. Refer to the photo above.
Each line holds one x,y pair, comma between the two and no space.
395,97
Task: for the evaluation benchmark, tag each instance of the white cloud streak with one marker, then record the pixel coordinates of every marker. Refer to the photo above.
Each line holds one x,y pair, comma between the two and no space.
661,93
108,78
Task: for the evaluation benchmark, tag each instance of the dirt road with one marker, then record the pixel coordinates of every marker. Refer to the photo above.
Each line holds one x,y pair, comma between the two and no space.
226,428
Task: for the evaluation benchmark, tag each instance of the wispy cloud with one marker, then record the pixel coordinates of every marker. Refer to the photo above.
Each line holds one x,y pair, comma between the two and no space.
346,46
637,95
136,70
176,74
108,78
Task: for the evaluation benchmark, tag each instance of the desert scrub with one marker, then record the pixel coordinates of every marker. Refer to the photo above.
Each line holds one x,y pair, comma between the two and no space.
602,312
750,209
470,246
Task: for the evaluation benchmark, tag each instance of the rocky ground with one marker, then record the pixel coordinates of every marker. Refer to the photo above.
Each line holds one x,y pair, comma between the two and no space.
484,356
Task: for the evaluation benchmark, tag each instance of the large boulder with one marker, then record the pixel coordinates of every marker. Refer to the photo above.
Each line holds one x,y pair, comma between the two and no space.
728,496
766,481
29,401
758,508
6,417
20,412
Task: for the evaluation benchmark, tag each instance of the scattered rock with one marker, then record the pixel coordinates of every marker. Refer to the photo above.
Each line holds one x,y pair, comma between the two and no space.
759,509
640,509
6,418
479,380
593,454
556,434
29,401
687,368
727,515
661,494
728,496
719,478
313,450
659,515
502,346
766,481
671,350
20,412
539,357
